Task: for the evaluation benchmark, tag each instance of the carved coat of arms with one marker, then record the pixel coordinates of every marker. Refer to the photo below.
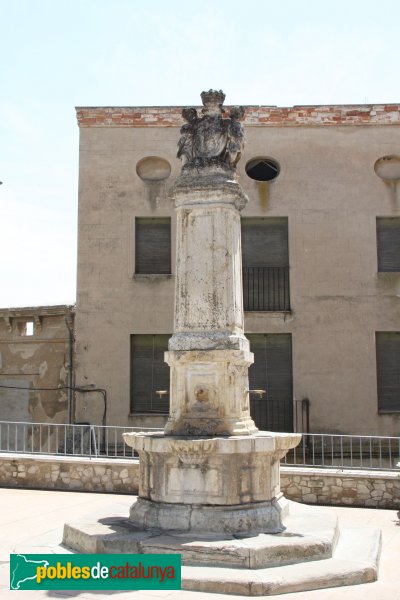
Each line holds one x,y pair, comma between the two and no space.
211,136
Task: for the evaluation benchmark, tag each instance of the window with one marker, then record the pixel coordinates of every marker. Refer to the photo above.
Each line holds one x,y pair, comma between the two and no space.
388,370
149,374
265,264
388,243
262,169
271,371
153,245
153,169
26,328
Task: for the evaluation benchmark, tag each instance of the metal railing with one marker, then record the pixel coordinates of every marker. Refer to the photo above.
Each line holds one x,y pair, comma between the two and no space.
66,440
314,450
345,452
266,289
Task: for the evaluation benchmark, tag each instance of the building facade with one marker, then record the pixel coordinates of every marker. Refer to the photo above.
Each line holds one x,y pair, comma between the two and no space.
36,365
321,264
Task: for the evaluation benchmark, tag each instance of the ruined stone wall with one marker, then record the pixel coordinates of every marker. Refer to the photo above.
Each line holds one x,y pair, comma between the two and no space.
34,353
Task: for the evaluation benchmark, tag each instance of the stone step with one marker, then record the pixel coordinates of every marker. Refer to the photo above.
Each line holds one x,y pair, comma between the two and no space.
307,536
311,553
355,561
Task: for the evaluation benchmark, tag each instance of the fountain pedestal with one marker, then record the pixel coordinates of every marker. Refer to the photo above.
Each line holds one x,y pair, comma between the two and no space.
227,485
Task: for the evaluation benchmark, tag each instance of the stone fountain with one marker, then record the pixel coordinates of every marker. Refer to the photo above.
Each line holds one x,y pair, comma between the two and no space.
211,470
209,484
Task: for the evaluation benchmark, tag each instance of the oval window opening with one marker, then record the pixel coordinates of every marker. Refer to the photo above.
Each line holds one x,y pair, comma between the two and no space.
262,169
388,168
153,168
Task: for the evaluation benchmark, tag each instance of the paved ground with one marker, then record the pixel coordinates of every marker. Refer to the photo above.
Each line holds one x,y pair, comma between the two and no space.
31,521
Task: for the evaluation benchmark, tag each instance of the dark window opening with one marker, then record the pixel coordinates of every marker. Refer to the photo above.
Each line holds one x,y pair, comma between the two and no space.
271,371
388,243
265,264
388,370
262,169
149,374
152,245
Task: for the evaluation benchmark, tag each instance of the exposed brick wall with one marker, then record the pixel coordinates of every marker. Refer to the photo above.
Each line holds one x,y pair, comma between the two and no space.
170,116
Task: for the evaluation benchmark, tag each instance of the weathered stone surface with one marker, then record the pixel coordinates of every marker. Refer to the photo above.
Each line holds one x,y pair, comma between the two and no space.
224,484
307,555
208,352
362,488
36,469
211,137
192,478
210,393
208,294
203,520
67,473
355,561
222,471
211,471
306,536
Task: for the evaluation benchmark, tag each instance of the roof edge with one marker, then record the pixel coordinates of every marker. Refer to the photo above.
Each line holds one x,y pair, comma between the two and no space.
299,115
27,311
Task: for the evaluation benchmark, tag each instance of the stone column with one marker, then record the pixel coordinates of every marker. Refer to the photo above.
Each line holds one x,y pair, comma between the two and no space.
208,353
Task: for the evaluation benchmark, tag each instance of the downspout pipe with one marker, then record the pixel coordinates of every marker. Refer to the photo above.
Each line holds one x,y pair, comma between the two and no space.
71,339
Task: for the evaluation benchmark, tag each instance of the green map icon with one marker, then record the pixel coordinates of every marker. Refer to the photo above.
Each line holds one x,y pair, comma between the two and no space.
23,569
95,571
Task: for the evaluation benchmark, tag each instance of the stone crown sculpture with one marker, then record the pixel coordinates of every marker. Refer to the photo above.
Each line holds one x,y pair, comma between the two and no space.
211,139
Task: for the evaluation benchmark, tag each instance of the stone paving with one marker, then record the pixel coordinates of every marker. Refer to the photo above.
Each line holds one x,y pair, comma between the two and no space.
32,521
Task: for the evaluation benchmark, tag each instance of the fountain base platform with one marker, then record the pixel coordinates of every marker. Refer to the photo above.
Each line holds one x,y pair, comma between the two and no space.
312,552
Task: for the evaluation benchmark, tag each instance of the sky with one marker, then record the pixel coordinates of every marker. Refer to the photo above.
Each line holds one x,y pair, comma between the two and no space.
58,54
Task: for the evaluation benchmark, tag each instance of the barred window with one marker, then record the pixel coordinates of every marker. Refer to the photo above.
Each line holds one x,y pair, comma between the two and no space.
388,370
272,372
265,264
149,374
388,243
152,245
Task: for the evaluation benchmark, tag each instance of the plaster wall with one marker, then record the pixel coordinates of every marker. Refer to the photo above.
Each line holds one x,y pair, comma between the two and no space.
331,195
40,360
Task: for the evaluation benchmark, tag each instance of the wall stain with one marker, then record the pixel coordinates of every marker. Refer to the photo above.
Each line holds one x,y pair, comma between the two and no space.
394,191
263,194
